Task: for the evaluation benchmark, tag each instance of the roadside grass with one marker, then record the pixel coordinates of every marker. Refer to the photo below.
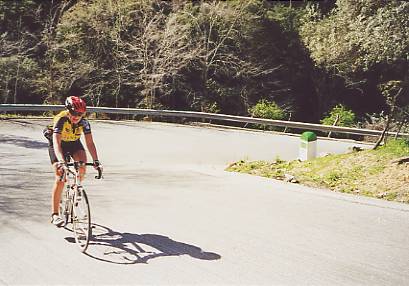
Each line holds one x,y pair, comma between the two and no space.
370,173
19,116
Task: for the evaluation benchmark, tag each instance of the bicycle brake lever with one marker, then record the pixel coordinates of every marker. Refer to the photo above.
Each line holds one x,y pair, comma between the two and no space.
99,176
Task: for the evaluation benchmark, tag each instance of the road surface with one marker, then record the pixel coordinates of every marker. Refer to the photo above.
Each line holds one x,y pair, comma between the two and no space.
167,213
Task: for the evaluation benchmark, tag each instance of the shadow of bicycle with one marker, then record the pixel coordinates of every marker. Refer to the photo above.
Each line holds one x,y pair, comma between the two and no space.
116,247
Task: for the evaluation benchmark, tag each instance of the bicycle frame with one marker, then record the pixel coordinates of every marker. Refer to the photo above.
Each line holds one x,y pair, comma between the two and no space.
73,187
70,203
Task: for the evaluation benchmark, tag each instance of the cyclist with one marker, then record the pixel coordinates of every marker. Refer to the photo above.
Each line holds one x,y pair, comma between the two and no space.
64,140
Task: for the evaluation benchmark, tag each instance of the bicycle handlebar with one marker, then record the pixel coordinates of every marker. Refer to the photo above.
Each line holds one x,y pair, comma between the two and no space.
75,164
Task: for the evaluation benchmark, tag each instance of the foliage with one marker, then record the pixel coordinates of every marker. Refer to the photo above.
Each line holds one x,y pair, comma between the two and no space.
267,110
18,69
358,35
89,51
153,54
17,16
20,76
364,42
341,115
232,41
213,56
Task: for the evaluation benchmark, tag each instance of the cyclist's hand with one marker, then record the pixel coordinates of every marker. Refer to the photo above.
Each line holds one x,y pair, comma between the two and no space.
61,167
99,168
97,165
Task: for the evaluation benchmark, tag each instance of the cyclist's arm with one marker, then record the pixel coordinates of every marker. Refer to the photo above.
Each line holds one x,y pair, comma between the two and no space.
57,147
91,146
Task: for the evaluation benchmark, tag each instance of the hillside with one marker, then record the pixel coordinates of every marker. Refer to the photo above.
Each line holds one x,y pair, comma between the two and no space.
381,173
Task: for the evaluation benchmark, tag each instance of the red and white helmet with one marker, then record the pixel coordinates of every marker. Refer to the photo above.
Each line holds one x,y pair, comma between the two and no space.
75,104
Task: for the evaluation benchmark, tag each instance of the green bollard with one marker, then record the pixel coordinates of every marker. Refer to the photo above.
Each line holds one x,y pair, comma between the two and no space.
308,146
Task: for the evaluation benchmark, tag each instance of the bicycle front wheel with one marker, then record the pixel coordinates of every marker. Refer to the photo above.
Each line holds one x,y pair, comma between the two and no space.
64,206
81,219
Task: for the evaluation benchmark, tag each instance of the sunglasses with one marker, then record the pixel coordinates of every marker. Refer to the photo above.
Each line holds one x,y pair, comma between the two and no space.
75,113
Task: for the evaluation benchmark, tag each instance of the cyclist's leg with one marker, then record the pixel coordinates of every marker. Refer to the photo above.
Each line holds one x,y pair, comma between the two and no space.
82,157
57,189
58,185
79,154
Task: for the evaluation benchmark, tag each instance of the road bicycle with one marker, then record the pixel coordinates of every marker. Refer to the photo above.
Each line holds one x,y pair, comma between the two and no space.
74,205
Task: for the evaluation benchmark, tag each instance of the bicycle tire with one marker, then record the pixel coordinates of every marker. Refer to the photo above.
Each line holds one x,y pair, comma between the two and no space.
81,219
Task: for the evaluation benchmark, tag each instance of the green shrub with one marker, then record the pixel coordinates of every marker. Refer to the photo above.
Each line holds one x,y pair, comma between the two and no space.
267,110
346,116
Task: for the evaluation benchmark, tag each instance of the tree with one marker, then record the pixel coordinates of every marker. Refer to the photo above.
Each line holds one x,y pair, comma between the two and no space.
18,39
396,99
358,35
235,54
163,47
89,51
121,53
363,42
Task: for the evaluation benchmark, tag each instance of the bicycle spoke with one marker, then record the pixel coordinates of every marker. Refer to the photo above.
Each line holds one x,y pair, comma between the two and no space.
64,206
81,220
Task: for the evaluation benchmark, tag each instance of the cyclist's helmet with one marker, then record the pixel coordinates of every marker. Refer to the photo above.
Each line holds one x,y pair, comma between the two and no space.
75,105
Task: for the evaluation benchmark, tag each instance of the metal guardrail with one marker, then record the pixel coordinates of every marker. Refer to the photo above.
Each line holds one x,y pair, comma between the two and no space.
203,115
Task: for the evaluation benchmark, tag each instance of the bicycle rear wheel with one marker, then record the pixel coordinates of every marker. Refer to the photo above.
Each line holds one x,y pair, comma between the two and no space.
81,219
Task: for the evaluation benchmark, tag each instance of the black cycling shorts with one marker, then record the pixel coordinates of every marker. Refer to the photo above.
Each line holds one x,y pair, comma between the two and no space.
68,148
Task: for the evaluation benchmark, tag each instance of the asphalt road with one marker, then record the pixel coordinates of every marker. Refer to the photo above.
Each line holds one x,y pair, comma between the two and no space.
167,214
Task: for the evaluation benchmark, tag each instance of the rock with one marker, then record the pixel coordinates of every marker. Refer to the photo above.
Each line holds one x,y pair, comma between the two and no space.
324,154
355,148
290,178
381,195
400,160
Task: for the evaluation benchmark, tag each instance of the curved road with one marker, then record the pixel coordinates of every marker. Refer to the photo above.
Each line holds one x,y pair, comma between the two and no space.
167,214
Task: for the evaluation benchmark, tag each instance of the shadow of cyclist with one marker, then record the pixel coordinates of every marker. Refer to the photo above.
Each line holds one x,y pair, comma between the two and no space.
128,248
